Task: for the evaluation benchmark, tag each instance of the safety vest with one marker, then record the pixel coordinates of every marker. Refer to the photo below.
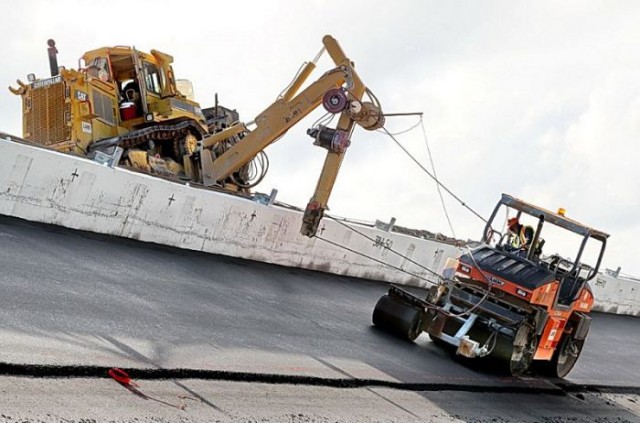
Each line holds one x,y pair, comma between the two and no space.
523,238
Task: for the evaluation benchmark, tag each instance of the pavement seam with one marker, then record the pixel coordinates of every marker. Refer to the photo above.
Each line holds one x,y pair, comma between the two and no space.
57,371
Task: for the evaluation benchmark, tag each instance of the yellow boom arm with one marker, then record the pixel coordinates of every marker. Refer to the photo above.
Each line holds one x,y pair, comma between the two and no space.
287,111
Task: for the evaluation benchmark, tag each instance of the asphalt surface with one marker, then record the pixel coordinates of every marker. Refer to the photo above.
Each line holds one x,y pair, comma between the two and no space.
101,400
76,299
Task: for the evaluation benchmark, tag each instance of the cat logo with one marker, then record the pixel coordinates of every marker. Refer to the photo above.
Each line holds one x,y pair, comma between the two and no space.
496,281
81,96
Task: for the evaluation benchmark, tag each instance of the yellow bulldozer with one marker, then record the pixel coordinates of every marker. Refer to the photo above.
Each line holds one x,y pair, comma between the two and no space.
126,107
119,97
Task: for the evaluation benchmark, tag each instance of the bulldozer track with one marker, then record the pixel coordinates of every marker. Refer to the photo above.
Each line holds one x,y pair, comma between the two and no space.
173,132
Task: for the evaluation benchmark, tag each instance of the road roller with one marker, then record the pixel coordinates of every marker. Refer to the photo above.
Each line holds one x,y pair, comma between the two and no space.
505,299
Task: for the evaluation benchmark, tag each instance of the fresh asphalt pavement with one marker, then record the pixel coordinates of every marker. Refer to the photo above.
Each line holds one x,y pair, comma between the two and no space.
74,299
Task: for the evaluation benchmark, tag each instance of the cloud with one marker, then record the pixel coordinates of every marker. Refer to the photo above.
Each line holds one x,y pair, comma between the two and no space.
593,164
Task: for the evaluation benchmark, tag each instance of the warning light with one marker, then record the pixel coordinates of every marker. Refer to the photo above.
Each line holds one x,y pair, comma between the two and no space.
561,211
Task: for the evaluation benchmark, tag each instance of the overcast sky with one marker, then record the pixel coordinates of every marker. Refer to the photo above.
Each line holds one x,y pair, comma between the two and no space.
540,100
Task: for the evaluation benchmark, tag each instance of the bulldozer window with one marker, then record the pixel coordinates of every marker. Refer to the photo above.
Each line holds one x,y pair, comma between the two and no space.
99,68
153,78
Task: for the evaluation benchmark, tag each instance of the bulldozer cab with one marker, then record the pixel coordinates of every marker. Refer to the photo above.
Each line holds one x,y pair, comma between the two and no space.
138,80
571,271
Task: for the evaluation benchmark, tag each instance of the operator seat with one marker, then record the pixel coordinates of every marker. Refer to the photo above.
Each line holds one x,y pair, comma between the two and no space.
131,92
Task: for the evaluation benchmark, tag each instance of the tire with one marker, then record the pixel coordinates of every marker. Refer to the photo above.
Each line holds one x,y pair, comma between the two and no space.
564,358
522,354
398,318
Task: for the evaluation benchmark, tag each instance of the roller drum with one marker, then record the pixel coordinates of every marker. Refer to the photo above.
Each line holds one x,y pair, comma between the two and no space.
398,318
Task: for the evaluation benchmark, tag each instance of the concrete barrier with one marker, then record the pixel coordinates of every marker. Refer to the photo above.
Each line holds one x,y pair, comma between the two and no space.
45,186
618,295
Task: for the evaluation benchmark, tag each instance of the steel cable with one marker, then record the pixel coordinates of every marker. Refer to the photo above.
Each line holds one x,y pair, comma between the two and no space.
433,176
371,258
388,248
436,274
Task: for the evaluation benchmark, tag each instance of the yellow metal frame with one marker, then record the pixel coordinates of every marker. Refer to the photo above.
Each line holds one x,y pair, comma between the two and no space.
278,118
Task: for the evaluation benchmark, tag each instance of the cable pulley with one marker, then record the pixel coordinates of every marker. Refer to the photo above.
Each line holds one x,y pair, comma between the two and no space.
335,100
366,114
